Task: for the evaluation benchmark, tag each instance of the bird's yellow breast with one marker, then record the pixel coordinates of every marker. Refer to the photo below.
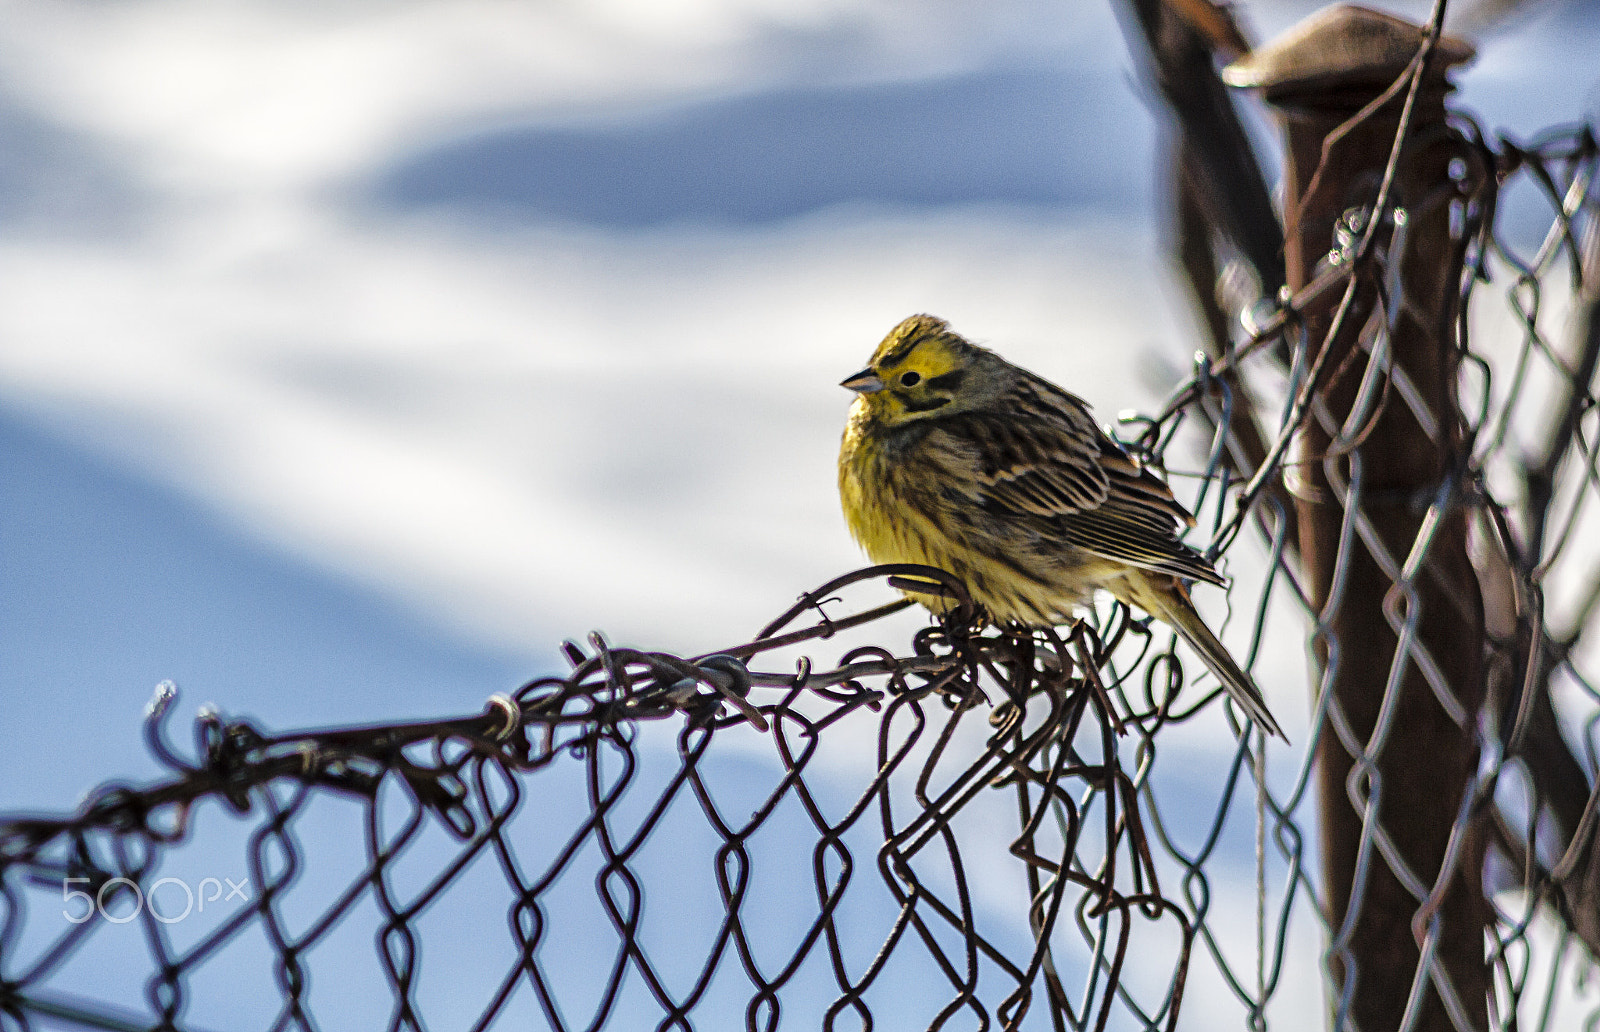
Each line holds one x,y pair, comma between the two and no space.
871,508
888,529
895,509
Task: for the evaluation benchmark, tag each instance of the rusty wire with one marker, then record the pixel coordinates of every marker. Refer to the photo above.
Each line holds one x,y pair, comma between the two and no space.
1529,488
1048,739
1078,777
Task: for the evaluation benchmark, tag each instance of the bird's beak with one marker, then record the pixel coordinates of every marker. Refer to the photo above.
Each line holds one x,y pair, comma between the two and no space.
864,382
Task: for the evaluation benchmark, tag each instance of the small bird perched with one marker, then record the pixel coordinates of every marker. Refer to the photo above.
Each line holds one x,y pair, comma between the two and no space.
957,459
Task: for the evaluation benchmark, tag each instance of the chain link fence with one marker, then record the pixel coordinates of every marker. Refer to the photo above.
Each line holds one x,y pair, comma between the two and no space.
863,819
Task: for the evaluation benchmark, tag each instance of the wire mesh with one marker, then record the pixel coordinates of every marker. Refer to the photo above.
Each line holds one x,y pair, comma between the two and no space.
1048,739
979,827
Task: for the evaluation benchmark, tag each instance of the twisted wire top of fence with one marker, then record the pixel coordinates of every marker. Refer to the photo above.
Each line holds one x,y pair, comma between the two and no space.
661,841
1049,724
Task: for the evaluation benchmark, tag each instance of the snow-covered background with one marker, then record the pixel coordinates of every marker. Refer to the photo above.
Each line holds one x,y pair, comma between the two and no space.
353,354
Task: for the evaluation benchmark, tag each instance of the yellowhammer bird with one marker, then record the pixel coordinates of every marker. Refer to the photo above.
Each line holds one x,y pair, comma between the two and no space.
957,459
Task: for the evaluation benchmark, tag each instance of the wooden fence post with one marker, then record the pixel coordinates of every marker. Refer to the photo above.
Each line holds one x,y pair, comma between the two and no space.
1381,503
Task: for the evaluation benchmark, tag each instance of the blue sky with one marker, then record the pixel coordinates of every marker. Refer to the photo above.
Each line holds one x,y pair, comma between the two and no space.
352,356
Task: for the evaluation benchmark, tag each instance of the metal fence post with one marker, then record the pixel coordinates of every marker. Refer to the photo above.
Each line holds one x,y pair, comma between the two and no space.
1379,494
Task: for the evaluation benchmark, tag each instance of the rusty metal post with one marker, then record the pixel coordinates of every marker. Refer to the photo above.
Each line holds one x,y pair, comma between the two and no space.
1394,763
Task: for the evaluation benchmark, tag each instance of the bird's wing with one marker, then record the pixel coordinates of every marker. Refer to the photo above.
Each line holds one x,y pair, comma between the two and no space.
1046,460
1041,457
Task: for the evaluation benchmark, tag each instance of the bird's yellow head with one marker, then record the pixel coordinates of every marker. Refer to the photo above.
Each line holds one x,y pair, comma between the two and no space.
922,369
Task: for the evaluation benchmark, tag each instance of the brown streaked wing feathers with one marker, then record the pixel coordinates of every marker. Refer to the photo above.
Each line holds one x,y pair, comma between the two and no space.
1112,535
1040,459
1048,460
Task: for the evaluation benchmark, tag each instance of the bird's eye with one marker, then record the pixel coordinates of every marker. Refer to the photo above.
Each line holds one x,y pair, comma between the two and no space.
910,379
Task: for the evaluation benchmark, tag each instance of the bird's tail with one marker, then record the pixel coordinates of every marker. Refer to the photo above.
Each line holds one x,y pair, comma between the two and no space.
1168,601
